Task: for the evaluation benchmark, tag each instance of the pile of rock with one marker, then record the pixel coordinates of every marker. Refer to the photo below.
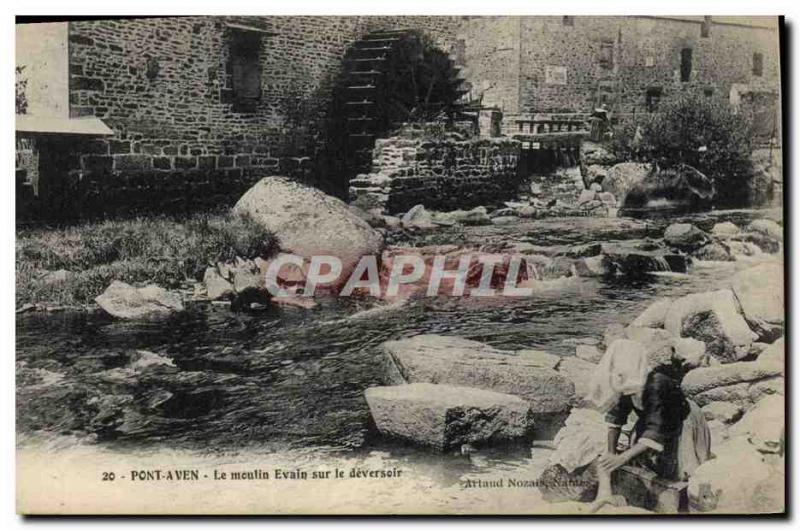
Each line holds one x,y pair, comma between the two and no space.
726,241
227,280
464,375
306,222
728,341
642,185
559,195
564,194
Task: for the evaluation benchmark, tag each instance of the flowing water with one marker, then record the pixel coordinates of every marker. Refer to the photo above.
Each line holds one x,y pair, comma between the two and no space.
289,378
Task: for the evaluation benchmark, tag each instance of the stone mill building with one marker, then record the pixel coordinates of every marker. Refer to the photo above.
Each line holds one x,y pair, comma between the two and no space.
186,113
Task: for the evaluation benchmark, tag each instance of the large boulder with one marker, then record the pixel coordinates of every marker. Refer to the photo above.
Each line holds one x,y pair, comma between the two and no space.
309,223
760,240
741,384
774,353
128,302
766,227
665,349
713,318
622,260
445,416
730,482
654,315
680,186
759,291
624,177
769,494
690,353
657,344
714,252
685,236
722,411
742,248
763,425
456,361
725,229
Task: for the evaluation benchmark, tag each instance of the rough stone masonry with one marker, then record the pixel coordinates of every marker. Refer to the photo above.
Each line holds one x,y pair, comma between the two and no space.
444,174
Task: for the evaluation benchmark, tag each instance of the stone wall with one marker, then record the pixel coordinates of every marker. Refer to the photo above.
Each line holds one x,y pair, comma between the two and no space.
182,140
557,64
442,174
492,60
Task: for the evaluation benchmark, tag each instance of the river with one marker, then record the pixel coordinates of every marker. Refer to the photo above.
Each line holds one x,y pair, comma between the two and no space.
290,379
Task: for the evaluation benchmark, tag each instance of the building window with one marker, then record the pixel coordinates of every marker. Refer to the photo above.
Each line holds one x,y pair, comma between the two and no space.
758,64
568,21
686,64
708,92
245,68
652,98
705,28
607,54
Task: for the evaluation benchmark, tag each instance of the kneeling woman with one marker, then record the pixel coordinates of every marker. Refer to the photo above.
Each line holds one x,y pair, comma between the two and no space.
671,436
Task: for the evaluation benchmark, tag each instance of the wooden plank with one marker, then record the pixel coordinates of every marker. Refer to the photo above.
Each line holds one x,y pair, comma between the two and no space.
564,137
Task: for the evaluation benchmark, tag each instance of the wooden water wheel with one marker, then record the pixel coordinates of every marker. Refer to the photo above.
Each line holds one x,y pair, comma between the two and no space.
390,78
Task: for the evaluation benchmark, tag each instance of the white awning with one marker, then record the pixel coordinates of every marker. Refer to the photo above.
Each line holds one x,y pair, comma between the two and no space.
89,125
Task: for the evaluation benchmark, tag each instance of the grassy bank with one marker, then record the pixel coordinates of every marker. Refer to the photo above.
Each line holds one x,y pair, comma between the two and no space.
154,250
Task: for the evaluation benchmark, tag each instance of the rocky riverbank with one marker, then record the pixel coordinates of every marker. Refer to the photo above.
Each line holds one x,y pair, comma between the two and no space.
729,342
201,372
308,223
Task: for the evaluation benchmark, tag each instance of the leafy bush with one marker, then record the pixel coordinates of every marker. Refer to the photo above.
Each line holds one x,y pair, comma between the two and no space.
145,250
697,131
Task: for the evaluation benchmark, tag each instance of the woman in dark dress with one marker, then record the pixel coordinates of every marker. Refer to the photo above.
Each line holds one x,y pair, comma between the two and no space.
670,437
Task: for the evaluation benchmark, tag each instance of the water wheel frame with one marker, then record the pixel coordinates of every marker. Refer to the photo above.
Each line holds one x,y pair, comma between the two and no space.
389,78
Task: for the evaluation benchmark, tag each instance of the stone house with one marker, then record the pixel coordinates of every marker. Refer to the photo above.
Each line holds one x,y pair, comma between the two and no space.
185,113
565,64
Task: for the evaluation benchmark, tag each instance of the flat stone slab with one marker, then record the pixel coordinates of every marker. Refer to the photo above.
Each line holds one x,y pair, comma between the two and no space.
446,416
742,383
457,361
705,378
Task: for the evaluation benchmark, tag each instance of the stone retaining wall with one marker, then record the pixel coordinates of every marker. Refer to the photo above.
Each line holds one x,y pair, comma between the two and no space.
442,174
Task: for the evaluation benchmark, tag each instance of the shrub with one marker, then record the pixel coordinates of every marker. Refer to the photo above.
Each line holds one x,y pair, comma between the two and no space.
697,131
